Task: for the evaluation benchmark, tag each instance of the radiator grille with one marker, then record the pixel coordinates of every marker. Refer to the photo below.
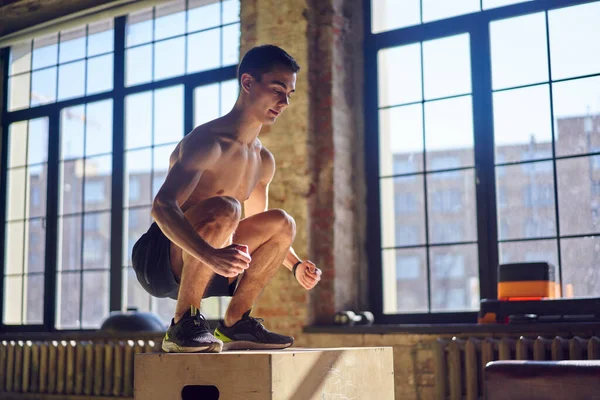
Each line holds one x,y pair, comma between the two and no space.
459,363
78,368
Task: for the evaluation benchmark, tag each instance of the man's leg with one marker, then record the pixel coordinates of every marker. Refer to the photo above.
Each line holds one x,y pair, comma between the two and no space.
214,219
268,236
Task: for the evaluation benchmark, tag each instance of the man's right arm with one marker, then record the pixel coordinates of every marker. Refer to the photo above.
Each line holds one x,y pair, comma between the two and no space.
183,177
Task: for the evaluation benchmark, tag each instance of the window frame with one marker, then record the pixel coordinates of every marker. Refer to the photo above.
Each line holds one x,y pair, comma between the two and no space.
477,25
53,112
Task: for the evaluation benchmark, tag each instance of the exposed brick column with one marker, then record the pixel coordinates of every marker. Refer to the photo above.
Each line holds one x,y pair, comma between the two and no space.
284,302
317,145
337,192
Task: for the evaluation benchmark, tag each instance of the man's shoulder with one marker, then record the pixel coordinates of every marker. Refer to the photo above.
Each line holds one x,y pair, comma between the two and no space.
200,145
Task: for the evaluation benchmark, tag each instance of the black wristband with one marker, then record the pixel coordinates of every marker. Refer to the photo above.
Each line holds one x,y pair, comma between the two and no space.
294,268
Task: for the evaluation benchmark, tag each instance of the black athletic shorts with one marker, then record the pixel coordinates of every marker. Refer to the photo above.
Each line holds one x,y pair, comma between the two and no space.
151,258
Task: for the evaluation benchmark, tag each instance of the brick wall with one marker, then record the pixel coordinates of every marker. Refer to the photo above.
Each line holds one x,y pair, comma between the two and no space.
283,302
317,148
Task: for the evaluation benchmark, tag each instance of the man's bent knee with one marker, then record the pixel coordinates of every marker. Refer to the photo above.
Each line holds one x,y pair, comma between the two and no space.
283,223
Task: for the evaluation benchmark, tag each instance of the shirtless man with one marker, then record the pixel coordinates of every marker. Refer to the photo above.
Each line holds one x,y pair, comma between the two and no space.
199,245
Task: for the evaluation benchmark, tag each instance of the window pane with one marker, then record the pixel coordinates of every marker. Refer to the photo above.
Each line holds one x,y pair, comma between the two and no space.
38,141
209,57
229,94
578,194
71,186
165,308
13,262
43,86
402,211
439,9
487,4
203,14
138,65
69,229
393,14
99,126
45,51
13,300
451,201
529,194
580,266
138,120
36,245
519,51
139,28
36,191
399,75
71,132
137,221
16,193
231,44
136,296
95,299
20,58
96,241
449,131
231,11
401,140
170,19
529,251
205,106
572,33
522,127
68,304
18,92
138,170
447,66
71,80
162,156
100,38
576,116
17,138
72,45
34,299
100,74
169,58
454,278
168,115
404,281
97,190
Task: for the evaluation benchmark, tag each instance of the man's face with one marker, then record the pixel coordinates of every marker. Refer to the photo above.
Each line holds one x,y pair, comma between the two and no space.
271,95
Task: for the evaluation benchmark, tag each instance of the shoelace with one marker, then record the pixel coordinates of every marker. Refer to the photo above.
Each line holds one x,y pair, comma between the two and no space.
197,323
256,321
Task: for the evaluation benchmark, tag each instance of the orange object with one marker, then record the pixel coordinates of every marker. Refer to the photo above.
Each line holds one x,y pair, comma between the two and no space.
526,290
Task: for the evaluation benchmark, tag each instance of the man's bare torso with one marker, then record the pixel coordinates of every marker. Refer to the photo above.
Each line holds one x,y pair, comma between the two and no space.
235,172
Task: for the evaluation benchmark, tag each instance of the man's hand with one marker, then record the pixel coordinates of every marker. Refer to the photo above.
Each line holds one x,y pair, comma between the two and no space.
229,261
308,275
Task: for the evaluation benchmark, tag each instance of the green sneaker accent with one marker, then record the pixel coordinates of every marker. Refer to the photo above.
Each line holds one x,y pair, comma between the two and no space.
222,337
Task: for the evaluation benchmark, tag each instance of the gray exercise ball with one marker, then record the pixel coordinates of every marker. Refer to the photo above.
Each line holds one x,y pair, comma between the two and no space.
132,321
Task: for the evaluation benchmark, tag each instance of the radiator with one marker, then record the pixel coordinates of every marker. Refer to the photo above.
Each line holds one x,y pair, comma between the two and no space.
459,363
77,368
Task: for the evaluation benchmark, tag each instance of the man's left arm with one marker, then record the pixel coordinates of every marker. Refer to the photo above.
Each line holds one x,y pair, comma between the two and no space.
306,272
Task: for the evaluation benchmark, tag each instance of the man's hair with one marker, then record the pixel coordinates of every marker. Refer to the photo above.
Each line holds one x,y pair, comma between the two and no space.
263,59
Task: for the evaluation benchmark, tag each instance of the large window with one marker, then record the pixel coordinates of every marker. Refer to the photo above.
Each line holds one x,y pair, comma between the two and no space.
93,115
495,107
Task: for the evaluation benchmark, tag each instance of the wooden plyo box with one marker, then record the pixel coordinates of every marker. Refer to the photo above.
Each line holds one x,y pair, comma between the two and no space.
294,374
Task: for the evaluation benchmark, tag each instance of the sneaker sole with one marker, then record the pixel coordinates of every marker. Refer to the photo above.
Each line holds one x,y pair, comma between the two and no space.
246,345
170,347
